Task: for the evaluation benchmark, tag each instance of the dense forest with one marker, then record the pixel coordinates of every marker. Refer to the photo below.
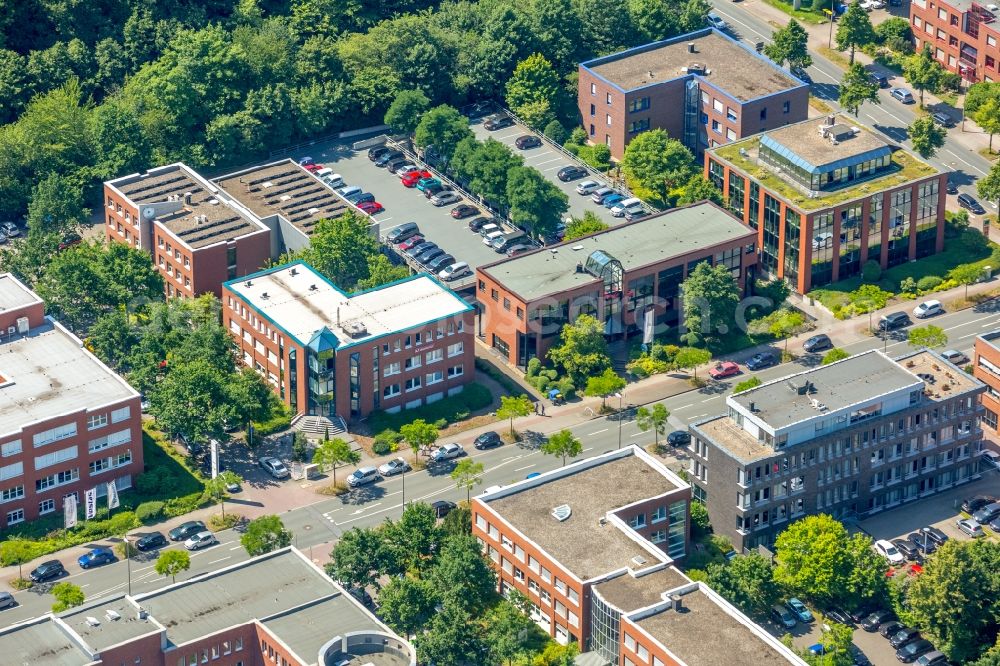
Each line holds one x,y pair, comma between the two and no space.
92,90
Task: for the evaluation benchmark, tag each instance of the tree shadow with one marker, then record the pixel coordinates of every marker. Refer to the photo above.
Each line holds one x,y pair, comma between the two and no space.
363,495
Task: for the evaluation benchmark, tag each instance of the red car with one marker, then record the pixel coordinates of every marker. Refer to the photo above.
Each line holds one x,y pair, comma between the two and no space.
312,168
463,211
411,179
371,207
724,369
410,242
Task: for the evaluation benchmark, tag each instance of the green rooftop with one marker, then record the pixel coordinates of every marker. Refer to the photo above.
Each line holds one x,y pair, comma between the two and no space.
742,155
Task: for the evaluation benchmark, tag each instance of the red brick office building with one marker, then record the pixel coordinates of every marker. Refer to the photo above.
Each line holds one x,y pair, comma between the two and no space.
704,88
621,276
826,195
67,422
593,545
962,36
328,353
986,368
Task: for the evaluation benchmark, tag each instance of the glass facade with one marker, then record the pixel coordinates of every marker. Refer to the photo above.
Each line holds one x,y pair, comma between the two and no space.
754,216
820,179
850,241
321,383
793,223
927,201
822,249
901,205
604,624
875,228
677,530
355,372
376,395
772,230
715,174
737,185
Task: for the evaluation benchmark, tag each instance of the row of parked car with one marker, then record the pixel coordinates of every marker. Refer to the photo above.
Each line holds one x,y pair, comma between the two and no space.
363,201
910,646
410,242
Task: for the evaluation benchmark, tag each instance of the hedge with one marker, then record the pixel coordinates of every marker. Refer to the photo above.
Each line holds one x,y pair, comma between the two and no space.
451,409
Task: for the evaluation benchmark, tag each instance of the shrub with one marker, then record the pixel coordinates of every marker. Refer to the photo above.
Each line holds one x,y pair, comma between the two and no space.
555,131
542,384
908,286
565,386
441,423
929,283
578,136
148,512
551,373
281,419
453,408
386,442
601,154
871,271
534,365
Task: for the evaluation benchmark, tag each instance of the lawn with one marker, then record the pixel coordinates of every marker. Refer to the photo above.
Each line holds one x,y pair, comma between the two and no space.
473,398
814,18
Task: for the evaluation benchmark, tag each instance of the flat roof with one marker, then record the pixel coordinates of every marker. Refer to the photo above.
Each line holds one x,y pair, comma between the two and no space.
47,372
628,592
657,238
730,66
941,378
284,188
41,643
592,488
302,302
707,633
100,630
724,432
819,153
14,295
848,382
208,218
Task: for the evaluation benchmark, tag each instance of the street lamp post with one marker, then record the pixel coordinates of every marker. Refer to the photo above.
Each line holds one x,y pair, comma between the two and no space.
620,395
128,562
404,487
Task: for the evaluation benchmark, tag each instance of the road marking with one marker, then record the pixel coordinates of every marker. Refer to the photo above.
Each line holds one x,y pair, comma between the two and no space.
521,469
365,508
235,547
636,435
964,162
541,154
85,585
700,415
221,560
709,400
736,20
684,406
591,434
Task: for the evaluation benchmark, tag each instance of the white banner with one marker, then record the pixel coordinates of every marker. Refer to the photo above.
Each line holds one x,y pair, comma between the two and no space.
112,495
215,457
648,324
90,502
69,511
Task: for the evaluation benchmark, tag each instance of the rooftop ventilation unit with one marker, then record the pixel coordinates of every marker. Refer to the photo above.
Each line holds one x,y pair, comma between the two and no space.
675,602
696,68
293,271
266,185
112,615
313,211
818,405
285,197
22,325
356,330
187,198
93,621
213,202
577,247
248,283
562,512
802,387
691,48
638,560
313,287
264,296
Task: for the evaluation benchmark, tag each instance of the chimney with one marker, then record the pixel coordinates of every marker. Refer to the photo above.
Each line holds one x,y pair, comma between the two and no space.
753,407
831,120
675,602
187,198
691,48
338,315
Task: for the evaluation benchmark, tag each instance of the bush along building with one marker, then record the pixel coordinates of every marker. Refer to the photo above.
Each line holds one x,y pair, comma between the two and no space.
827,195
850,439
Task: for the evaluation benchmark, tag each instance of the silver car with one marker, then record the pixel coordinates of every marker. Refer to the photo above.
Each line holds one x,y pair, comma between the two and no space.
445,198
274,467
201,540
363,476
447,452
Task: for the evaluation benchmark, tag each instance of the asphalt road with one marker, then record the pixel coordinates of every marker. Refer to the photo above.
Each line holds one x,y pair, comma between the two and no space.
891,117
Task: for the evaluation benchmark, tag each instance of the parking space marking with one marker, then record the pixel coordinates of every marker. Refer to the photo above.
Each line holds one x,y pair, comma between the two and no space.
541,154
221,560
558,166
557,158
509,136
596,433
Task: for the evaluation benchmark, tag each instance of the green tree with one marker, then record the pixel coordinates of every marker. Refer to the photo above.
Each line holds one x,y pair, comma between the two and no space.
790,44
834,355
172,562
57,205
954,600
987,116
382,271
218,488
506,628
535,87
514,407
604,384
442,127
747,582
557,655
747,384
562,444
339,249
854,30
358,558
692,357
657,163
404,113
335,452
16,551
536,204
451,637
817,559
988,186
579,227
418,435
786,323
467,474
926,136
458,521
895,34
978,94
929,336
966,274
582,350
856,89
923,71
710,297
654,419
412,541
249,398
264,535
486,168
67,595
836,640
190,401
989,658
698,189
407,604
463,575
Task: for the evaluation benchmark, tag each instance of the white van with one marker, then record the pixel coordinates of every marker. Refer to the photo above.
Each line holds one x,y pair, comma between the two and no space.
455,271
332,179
488,229
626,206
492,236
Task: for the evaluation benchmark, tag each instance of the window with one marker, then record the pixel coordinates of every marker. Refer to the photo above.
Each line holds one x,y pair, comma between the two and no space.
456,349
434,355
412,362
763,114
593,110
718,106
111,462
114,439
609,120
730,134
786,107
658,515
56,457
412,383
659,536
716,127
455,371
730,114
392,369
10,494
435,377
520,313
593,88
12,470
390,391
10,448
506,303
95,421
46,506
638,126
54,434
14,517
637,522
609,98
640,104
494,294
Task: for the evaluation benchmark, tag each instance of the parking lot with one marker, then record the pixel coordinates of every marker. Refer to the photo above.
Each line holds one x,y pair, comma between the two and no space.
548,160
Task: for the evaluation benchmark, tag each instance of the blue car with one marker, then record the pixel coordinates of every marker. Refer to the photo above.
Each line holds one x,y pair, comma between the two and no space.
611,200
96,558
802,613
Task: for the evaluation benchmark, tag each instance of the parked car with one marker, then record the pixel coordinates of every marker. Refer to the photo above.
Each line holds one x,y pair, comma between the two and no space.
876,619
889,629
387,157
951,187
935,535
457,270
679,438
909,652
477,223
922,542
464,211
424,183
376,152
908,549
839,616
878,79
818,343
201,540
7,600
362,476
928,309
305,161
151,541
954,356
447,452
403,232
568,173
527,141
274,467
802,613
972,504
894,320
442,508
634,214
47,571
783,617
96,557
394,467
889,552
411,179
10,229
902,94
69,240
431,190
859,657
987,513
445,198
762,360
498,121
517,249
600,194
970,204
990,458
360,198
439,262
312,168
420,248
971,527
413,241
188,529
724,369
612,200
488,440
430,255
716,21
942,119
933,658
903,636
406,168
587,186
371,207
